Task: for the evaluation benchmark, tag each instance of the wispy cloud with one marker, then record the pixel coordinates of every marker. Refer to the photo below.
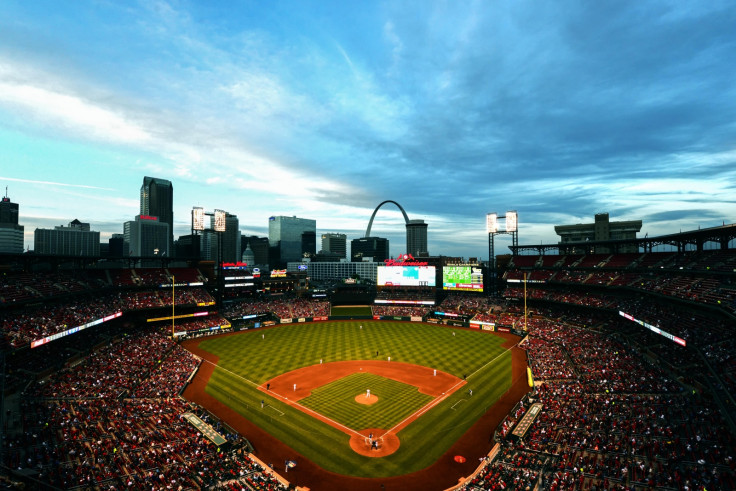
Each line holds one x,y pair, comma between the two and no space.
50,183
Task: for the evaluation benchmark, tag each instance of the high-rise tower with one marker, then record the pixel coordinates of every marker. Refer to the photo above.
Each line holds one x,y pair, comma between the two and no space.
416,238
11,234
335,243
157,200
285,234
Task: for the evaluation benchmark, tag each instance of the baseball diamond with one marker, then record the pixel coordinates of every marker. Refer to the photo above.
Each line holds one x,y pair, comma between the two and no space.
310,375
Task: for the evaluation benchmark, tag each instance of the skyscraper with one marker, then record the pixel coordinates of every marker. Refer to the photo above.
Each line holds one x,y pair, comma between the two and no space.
416,238
375,248
146,236
229,250
11,234
335,243
285,234
157,200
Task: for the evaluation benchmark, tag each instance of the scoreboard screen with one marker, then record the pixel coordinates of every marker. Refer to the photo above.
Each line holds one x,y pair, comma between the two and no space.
406,276
464,278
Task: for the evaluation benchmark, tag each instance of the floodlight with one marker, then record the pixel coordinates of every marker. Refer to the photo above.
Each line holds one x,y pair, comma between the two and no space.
492,223
197,218
511,221
219,221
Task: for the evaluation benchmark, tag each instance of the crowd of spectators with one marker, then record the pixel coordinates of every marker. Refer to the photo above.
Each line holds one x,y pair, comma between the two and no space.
114,421
693,276
20,326
406,294
111,372
465,304
400,310
19,287
199,326
610,420
282,306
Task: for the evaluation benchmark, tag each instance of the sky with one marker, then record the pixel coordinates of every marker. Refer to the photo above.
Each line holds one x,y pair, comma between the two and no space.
325,109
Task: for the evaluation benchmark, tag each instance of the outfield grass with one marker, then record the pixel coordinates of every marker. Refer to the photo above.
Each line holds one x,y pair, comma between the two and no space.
252,357
336,400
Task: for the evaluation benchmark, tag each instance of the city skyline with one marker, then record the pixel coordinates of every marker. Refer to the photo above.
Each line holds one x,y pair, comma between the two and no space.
324,110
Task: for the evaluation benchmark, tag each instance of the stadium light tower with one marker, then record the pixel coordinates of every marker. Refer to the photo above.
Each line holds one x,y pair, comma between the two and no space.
511,222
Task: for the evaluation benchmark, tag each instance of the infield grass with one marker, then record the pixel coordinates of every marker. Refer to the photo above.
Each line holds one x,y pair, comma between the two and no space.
396,401
250,358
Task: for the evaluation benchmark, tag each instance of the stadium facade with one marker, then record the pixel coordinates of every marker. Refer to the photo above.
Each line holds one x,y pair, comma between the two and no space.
601,229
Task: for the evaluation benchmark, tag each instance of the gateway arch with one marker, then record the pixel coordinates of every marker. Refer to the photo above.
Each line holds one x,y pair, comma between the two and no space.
416,231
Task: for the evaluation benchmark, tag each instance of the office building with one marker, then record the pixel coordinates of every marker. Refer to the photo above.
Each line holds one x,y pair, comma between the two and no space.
285,234
416,238
146,236
336,271
11,234
76,239
260,248
187,247
369,249
309,243
336,244
116,246
157,200
230,251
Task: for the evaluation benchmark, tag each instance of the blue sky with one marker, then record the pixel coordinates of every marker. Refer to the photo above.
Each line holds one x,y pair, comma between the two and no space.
324,109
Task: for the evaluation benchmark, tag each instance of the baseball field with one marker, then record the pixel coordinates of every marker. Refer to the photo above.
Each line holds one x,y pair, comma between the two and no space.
308,386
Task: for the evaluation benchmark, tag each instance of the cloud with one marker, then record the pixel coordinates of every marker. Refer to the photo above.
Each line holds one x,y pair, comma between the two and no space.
66,112
49,183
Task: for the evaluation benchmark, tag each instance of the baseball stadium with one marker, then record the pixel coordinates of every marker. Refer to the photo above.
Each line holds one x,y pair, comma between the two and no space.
603,365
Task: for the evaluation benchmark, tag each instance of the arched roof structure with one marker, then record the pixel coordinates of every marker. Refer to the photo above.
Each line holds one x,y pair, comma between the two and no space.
370,223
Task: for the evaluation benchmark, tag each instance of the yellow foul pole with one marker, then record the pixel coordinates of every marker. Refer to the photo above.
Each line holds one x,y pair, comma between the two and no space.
525,328
173,301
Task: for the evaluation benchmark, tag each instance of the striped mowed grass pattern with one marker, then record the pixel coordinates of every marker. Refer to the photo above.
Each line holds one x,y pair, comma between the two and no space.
396,401
251,358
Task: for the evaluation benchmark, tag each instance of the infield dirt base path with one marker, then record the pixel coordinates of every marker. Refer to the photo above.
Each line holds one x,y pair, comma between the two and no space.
444,473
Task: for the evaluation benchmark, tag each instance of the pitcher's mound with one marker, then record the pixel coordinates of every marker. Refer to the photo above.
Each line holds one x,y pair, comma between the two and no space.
362,399
387,444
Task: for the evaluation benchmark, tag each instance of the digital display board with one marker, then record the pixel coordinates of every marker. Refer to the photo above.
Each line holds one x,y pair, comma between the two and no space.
654,329
406,276
465,278
73,330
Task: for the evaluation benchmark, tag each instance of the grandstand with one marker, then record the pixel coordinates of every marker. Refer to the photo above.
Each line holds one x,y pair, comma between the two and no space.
617,404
